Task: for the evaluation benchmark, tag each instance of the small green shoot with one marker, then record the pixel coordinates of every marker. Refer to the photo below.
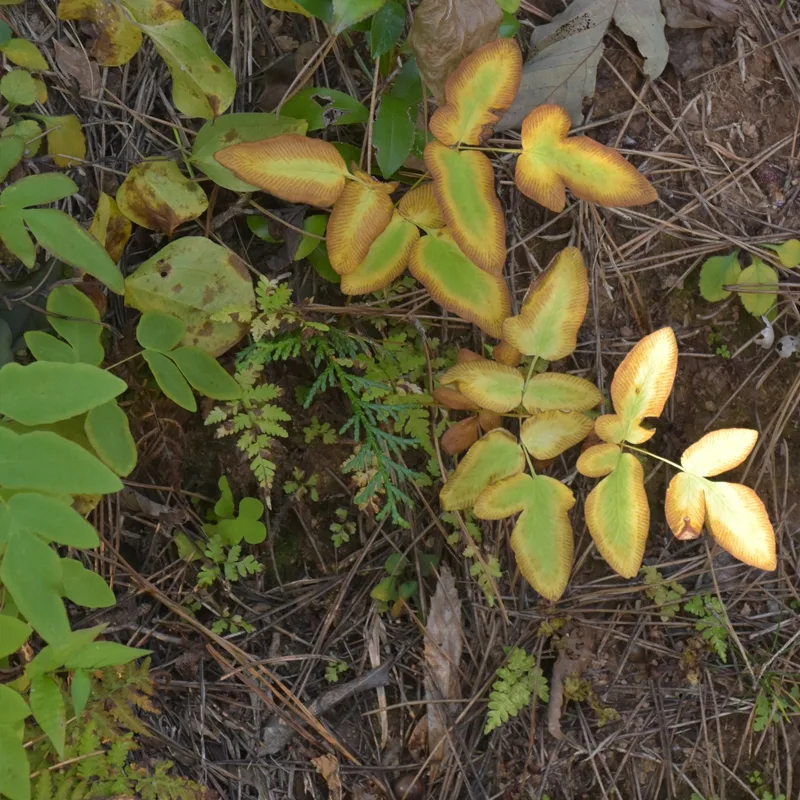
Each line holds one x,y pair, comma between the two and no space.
711,623
665,594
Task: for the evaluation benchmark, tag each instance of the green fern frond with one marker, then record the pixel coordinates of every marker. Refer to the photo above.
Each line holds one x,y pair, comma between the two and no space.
516,683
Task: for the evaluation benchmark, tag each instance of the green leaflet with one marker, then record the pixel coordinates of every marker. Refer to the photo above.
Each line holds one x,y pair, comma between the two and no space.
170,380
393,134
349,12
716,272
387,26
84,587
12,707
205,374
11,150
14,766
51,519
47,704
45,347
49,391
103,654
109,433
13,634
35,190
80,688
316,224
321,107
159,331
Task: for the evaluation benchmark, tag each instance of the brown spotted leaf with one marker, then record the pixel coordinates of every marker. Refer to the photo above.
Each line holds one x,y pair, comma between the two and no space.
117,39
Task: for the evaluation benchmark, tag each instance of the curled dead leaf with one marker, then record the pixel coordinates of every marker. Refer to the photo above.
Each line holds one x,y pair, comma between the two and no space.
460,436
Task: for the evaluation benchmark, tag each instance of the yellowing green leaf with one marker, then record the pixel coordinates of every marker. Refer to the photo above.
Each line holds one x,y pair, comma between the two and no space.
685,506
719,451
24,54
739,523
716,272
202,84
359,216
555,391
788,252
386,260
542,538
550,433
153,12
110,226
618,516
463,182
419,206
156,195
490,385
762,282
551,163
640,388
599,460
193,278
477,93
118,39
553,310
65,140
457,284
496,456
233,129
291,167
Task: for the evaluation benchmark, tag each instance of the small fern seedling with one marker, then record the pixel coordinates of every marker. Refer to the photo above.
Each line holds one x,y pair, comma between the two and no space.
518,681
711,623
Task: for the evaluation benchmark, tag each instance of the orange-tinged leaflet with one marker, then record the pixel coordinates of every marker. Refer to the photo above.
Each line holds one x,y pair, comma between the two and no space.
550,162
463,182
290,166
418,205
359,217
477,93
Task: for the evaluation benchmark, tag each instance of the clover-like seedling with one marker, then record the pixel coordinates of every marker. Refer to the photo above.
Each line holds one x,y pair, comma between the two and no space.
231,526
451,232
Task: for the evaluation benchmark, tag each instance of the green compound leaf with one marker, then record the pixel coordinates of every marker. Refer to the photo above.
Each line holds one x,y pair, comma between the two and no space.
35,190
761,277
717,272
321,107
387,27
84,330
496,456
31,571
170,380
495,387
51,519
247,525
109,433
49,391
84,587
13,634
44,461
233,129
47,704
11,150
205,374
45,347
80,687
315,224
60,235
202,84
98,655
159,331
393,134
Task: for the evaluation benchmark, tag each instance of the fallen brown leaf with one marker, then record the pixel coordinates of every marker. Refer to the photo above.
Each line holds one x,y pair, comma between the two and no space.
700,13
443,644
328,767
75,64
444,32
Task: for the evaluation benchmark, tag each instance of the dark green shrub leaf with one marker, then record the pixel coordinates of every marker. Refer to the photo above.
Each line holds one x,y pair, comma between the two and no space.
205,374
316,224
321,9
83,331
509,27
322,264
53,657
31,571
44,461
321,107
170,380
60,235
36,190
14,766
15,237
48,391
109,433
13,634
408,83
12,707
259,226
51,519
5,33
11,150
45,347
232,129
387,26
716,272
104,654
349,12
159,331
80,688
393,134
47,704
84,587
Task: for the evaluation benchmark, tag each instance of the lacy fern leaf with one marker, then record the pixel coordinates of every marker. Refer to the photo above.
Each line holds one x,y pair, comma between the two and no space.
516,683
